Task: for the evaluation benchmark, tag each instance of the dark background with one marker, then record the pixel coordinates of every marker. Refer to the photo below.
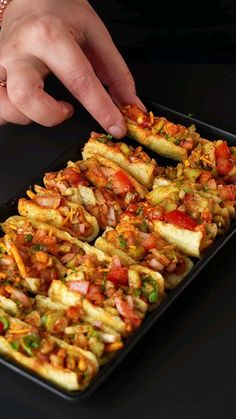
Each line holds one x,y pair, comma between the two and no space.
183,56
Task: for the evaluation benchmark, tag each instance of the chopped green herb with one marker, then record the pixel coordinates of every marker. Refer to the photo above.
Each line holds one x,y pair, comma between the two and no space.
137,292
28,238
187,190
37,247
206,188
144,226
139,211
2,250
153,296
102,139
6,282
15,345
103,282
190,115
122,241
44,318
5,323
30,342
109,136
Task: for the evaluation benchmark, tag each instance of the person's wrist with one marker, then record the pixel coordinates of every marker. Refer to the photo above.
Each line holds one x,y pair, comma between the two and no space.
3,6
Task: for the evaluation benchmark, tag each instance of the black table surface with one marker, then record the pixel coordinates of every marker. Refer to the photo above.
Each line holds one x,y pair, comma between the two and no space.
185,365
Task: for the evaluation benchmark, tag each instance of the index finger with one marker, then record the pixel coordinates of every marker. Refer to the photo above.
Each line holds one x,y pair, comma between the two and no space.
66,60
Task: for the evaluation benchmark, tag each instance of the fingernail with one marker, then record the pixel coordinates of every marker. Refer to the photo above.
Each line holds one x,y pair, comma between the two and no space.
140,104
68,109
117,131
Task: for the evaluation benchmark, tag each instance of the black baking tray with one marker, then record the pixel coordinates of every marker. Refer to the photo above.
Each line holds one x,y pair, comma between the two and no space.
74,153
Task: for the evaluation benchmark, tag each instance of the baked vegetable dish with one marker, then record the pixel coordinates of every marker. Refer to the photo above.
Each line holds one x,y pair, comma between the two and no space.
104,240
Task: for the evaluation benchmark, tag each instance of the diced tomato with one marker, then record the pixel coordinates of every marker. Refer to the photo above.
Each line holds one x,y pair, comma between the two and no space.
73,313
1,327
73,177
187,144
94,294
118,275
224,166
79,286
121,183
205,176
149,242
181,219
137,115
227,192
132,208
171,128
222,150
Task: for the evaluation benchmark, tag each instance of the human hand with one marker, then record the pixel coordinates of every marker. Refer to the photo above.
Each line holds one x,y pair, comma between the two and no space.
69,40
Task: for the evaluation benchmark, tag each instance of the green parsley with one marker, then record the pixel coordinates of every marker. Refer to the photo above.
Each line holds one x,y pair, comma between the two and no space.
5,323
139,211
153,296
137,292
15,345
28,238
102,139
30,342
2,250
37,247
122,241
144,226
109,136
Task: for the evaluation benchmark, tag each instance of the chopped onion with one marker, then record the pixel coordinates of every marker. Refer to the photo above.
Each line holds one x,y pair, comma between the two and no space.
116,263
171,267
67,257
79,286
82,228
18,295
111,217
48,201
154,263
107,171
130,301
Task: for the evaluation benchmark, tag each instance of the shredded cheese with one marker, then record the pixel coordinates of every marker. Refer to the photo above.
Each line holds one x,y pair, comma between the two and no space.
3,275
204,159
19,331
16,255
151,117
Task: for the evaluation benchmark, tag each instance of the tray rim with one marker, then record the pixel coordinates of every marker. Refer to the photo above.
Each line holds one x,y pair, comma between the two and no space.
153,316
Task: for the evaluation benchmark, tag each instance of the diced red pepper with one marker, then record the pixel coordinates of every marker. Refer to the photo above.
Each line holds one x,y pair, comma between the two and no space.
73,177
121,183
205,176
181,219
227,192
224,166
118,275
222,150
149,242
